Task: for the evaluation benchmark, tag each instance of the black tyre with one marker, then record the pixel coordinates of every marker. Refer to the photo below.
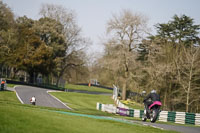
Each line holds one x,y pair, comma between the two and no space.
144,118
154,115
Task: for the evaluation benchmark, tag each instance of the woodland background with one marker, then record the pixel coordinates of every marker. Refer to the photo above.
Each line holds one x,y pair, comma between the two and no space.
135,60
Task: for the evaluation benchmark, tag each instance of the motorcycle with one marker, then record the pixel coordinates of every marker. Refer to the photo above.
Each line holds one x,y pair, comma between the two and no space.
152,112
33,101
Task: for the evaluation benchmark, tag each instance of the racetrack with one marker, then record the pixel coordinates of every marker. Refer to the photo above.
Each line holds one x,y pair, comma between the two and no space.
45,99
178,128
42,97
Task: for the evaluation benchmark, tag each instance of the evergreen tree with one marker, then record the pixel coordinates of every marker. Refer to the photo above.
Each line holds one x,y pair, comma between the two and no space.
179,30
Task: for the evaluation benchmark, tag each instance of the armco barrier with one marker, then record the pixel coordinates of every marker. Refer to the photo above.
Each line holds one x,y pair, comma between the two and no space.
190,118
110,108
141,113
197,119
131,112
164,116
171,116
123,111
137,113
180,118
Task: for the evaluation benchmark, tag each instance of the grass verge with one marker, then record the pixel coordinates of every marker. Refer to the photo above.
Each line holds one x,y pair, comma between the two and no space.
87,88
83,103
19,118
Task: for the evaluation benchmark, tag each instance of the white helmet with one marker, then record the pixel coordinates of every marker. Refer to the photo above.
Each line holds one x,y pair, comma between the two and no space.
153,91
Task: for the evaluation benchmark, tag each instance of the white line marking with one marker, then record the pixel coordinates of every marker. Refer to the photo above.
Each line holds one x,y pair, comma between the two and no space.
58,99
18,95
157,127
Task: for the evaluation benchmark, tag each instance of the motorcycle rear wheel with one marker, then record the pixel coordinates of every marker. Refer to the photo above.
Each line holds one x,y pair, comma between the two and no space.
154,116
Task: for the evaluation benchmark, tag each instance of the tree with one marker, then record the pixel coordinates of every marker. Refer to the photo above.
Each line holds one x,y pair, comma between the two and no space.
183,34
127,31
174,49
6,17
159,71
180,30
73,42
188,71
7,34
32,54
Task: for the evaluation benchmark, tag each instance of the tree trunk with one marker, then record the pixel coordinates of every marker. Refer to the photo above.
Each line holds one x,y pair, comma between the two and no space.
165,99
57,81
187,102
124,86
31,77
124,91
189,85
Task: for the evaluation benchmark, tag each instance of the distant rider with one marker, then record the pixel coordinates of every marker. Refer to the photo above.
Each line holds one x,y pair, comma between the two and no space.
33,100
150,98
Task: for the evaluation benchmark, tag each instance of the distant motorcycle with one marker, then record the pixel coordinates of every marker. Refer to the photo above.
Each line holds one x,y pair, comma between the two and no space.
152,112
33,100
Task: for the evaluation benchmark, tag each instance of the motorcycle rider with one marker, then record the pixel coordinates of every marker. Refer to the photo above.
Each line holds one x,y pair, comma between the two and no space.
150,98
33,100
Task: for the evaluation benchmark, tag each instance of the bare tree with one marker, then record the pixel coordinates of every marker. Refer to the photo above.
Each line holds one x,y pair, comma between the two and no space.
127,30
187,65
159,69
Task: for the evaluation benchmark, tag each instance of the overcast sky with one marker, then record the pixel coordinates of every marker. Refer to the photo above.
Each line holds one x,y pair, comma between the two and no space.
92,15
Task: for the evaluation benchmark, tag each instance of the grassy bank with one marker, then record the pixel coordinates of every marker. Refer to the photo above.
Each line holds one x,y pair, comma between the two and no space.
78,87
22,120
87,88
83,103
18,118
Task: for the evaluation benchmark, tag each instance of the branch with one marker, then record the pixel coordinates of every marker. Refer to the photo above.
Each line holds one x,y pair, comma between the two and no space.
194,100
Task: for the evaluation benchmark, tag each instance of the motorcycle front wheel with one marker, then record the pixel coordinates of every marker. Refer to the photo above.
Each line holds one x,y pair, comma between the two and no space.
144,118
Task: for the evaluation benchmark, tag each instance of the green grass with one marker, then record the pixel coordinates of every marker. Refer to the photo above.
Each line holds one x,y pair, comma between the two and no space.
132,104
10,85
83,103
22,120
78,87
19,118
87,88
8,96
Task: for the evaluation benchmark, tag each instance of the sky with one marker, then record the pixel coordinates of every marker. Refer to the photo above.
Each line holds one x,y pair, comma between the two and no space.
93,15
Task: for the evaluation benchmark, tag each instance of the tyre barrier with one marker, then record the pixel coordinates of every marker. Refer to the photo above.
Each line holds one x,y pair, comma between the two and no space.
110,108
197,119
180,118
164,116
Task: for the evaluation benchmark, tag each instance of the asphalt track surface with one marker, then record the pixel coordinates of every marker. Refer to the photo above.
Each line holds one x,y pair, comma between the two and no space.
178,128
42,97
